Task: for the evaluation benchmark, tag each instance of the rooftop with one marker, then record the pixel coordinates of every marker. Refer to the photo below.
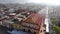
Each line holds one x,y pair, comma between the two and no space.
35,18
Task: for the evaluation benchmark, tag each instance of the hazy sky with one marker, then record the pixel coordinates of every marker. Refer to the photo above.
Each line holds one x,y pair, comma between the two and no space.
49,2
13,1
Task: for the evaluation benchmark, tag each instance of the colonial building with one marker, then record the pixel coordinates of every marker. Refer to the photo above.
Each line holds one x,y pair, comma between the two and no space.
33,24
26,21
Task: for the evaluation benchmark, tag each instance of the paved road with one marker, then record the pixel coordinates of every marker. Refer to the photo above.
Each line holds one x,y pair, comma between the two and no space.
51,31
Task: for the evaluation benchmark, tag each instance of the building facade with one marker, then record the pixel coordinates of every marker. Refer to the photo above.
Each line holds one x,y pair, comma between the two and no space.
33,23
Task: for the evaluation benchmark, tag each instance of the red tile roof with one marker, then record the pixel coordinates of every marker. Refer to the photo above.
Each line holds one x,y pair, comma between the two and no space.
36,18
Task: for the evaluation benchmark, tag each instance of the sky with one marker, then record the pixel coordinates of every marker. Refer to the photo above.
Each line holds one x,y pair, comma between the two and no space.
48,2
13,1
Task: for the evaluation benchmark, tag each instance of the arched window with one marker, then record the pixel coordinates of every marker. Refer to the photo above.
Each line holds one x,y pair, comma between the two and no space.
23,29
15,26
19,26
29,31
41,31
44,30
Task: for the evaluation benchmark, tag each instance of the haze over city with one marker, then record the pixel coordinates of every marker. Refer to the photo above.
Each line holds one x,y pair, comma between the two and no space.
47,2
29,16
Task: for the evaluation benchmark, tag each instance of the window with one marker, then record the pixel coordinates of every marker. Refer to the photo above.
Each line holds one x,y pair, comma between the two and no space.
23,29
29,31
44,30
36,26
41,31
15,26
19,26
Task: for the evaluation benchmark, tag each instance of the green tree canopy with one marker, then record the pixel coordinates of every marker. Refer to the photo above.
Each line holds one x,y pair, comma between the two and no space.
57,29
